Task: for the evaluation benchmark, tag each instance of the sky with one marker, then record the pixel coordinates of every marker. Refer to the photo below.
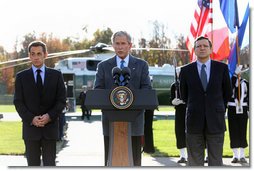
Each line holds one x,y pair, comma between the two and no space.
66,18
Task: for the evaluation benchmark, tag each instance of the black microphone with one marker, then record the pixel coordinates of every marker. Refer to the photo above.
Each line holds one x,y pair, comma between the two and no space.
126,72
116,72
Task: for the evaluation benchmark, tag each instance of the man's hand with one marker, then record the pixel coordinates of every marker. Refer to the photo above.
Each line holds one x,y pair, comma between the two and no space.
37,121
41,121
45,119
177,101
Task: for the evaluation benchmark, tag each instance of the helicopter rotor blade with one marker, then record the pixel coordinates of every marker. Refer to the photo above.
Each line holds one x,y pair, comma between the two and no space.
50,56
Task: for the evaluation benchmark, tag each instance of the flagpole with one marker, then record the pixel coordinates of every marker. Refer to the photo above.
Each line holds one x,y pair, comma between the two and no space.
237,50
238,63
176,78
211,1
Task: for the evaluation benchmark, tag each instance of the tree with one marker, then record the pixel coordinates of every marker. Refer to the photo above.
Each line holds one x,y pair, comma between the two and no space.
7,74
103,36
181,56
3,54
27,39
159,40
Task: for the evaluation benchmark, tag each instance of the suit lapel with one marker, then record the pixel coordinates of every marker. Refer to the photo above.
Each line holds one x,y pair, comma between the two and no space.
211,74
132,66
112,62
30,79
47,78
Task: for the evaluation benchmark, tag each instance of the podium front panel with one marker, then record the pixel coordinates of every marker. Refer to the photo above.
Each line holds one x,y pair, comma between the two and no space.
100,99
122,115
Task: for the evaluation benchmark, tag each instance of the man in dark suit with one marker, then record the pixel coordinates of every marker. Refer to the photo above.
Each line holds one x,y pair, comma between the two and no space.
205,88
139,80
82,97
39,100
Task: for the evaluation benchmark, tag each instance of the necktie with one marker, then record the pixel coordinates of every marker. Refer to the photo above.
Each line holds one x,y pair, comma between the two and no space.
122,64
121,76
39,81
203,76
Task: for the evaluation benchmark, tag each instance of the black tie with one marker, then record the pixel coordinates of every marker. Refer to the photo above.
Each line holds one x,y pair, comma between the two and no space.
39,81
203,76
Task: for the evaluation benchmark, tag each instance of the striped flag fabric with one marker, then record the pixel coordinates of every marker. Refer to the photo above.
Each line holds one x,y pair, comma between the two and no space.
203,25
200,25
232,60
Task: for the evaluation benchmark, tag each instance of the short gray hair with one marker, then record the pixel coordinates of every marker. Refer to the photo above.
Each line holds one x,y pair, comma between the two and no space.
120,33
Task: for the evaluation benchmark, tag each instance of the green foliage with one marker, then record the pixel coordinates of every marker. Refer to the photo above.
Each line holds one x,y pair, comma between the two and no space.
103,36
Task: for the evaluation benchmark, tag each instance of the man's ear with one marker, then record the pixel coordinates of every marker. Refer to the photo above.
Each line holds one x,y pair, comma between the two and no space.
46,55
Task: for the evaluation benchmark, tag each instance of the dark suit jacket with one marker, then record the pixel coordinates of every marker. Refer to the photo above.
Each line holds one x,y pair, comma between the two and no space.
28,104
205,109
139,80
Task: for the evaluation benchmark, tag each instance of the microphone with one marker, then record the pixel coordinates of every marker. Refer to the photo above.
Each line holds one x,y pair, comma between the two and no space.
126,72
116,72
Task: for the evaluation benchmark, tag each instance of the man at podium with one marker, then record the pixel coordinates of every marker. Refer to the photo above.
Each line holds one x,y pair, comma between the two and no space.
139,79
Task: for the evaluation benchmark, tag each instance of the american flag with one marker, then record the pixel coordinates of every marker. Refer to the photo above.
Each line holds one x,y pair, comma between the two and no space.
201,25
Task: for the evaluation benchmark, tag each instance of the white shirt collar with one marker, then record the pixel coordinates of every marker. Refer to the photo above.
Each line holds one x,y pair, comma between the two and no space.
41,68
207,63
126,60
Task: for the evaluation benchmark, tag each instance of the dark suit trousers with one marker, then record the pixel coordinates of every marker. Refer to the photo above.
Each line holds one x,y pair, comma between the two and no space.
36,148
180,126
136,150
148,132
237,126
196,146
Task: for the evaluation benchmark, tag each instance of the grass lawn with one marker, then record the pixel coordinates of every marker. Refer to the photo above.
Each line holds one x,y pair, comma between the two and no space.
164,139
7,108
164,136
11,141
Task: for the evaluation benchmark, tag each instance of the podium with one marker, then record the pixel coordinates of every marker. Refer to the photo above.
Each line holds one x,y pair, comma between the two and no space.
120,144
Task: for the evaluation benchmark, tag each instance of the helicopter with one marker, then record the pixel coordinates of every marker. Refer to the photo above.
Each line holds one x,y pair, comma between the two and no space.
79,71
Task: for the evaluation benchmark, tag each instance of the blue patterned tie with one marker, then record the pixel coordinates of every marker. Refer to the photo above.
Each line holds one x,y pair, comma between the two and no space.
203,76
121,77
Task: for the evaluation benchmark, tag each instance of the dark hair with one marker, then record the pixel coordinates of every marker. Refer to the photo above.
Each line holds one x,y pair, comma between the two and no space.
201,38
36,44
121,33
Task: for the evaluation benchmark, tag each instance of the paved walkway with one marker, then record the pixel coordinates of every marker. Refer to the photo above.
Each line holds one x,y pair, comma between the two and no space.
83,145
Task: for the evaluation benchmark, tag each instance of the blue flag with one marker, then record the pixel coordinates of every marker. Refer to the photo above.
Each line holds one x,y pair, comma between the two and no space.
230,13
232,60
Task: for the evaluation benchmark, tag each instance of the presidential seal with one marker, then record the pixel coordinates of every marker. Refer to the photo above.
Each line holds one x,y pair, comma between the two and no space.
121,97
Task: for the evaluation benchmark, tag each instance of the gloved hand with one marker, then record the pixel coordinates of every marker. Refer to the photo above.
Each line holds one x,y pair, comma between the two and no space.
238,69
177,101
